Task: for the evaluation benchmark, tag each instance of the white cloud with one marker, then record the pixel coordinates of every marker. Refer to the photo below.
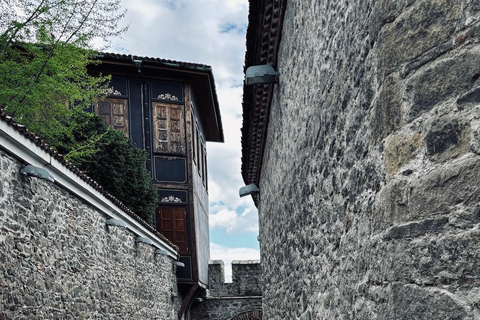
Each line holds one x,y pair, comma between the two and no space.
245,222
224,160
187,31
219,252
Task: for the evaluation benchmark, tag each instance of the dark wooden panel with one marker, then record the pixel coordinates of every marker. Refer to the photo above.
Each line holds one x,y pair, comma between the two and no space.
167,91
193,138
167,226
180,228
185,272
170,169
172,196
117,88
136,114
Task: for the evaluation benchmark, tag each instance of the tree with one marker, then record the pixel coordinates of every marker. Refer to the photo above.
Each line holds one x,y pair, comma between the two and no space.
45,47
120,169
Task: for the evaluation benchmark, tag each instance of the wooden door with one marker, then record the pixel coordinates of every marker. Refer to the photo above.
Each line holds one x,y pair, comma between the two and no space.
172,223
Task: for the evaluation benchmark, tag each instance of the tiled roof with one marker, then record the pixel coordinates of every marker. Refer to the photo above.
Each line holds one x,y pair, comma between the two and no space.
265,21
40,143
162,62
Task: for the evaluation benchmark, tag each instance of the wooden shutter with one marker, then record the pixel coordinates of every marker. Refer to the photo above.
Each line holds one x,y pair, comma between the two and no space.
114,113
169,133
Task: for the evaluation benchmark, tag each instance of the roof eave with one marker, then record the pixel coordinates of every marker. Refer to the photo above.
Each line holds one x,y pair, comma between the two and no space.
201,78
263,39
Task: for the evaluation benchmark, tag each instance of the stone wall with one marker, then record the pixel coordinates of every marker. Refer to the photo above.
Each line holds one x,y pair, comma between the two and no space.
370,186
60,261
225,301
246,279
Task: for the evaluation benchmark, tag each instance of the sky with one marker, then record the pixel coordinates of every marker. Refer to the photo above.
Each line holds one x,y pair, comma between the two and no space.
210,32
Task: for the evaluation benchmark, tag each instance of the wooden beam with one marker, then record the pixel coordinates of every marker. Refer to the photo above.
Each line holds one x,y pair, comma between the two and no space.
187,302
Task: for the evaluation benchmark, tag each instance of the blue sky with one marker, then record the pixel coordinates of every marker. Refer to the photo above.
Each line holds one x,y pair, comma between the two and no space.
210,32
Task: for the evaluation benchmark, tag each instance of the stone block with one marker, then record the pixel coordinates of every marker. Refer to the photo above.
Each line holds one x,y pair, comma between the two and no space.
452,77
474,6
389,10
399,150
386,112
416,229
471,97
448,138
475,138
413,302
428,195
425,25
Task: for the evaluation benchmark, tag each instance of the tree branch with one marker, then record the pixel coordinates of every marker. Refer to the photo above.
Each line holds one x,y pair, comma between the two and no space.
35,14
85,18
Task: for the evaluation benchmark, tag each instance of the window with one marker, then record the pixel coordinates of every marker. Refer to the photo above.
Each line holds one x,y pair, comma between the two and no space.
205,180
202,169
168,128
197,150
194,139
114,113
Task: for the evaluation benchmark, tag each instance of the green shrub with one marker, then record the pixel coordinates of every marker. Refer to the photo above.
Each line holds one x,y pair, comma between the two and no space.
120,169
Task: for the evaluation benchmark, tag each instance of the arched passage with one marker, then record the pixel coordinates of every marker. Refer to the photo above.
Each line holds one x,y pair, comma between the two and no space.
251,315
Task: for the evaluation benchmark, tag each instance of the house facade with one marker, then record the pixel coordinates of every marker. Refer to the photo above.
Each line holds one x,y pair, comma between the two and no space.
170,109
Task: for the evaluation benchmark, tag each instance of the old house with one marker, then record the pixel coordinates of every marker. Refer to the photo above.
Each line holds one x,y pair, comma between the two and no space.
170,109
366,152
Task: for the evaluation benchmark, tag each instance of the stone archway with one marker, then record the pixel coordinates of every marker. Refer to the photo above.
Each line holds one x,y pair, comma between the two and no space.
251,315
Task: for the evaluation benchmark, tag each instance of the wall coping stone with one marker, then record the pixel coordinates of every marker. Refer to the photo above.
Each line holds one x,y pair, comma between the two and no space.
245,261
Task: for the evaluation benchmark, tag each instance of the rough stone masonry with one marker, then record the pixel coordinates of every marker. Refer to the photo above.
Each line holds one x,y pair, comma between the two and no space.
241,299
370,186
59,260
